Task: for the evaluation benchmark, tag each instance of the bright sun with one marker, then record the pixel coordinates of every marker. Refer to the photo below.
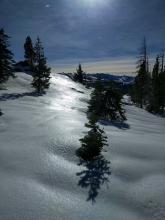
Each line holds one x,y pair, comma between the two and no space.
94,3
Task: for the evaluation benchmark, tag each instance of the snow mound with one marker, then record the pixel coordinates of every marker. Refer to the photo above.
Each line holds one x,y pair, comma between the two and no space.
42,179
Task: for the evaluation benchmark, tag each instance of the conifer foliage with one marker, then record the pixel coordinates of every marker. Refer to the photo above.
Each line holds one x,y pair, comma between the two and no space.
143,79
105,103
93,142
41,74
149,89
79,75
29,51
6,58
157,101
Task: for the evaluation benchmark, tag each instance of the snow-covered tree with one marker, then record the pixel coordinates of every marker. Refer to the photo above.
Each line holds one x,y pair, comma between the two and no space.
6,58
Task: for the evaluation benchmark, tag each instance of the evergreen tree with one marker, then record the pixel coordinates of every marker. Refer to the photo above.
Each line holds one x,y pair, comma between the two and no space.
29,51
155,92
41,75
79,75
162,62
96,100
157,101
6,58
93,142
112,106
162,85
106,103
143,79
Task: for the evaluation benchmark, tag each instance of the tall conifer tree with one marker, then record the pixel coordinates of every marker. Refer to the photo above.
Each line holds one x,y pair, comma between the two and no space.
155,86
29,51
6,58
79,75
143,79
162,85
41,75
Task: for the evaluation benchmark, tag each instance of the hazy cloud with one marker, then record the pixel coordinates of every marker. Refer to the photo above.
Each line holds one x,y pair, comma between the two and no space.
75,30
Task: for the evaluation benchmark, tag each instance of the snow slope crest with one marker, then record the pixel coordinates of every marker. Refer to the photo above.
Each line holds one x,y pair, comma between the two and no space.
41,178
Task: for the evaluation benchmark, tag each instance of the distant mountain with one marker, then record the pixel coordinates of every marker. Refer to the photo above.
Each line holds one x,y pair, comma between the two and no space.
105,77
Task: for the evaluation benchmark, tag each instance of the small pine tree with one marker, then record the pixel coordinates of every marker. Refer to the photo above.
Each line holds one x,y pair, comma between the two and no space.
6,58
112,107
92,143
96,100
106,103
79,75
29,51
41,75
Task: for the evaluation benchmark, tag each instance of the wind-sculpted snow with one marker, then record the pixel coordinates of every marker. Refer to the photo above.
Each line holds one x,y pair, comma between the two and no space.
42,179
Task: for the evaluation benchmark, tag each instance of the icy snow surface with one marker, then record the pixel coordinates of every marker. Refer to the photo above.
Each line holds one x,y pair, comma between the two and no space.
42,179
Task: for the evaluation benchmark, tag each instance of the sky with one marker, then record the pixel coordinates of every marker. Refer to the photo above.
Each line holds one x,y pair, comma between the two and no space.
103,35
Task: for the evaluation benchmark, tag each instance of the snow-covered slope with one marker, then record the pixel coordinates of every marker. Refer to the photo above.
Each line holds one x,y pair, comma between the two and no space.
42,179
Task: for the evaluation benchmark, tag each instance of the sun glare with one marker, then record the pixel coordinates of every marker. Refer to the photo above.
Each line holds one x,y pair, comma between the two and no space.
94,3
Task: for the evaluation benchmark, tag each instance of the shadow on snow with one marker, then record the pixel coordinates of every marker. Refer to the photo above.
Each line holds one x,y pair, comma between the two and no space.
13,96
95,174
119,124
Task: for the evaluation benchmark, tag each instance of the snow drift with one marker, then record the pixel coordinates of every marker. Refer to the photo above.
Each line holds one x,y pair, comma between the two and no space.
42,179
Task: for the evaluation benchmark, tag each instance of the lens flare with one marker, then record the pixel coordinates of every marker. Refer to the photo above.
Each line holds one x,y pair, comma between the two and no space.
94,3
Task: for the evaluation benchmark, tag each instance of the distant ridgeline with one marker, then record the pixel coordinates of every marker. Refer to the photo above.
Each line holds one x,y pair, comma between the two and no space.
121,81
22,66
107,77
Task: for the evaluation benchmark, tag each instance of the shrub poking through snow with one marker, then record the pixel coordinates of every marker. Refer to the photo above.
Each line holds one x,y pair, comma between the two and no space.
93,142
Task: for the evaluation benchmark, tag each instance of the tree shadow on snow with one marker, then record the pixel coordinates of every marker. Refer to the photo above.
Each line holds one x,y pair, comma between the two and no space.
119,124
13,96
95,174
1,113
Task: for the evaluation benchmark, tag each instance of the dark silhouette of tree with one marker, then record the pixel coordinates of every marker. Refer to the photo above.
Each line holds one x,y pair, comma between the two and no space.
93,142
6,58
162,85
157,101
41,75
96,99
112,106
29,51
143,79
154,104
79,75
105,103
